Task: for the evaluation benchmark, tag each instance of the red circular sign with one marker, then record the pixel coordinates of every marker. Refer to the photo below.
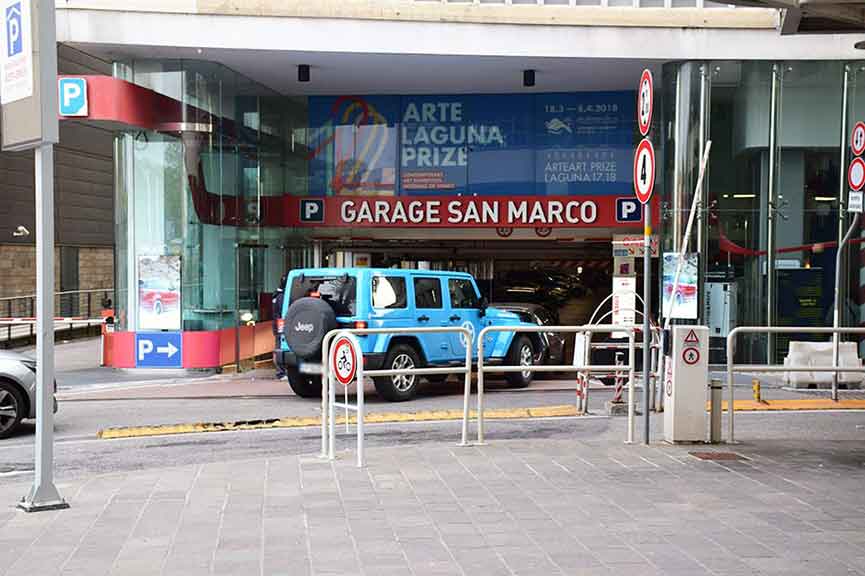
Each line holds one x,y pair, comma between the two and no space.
857,138
856,174
645,101
344,361
691,355
644,170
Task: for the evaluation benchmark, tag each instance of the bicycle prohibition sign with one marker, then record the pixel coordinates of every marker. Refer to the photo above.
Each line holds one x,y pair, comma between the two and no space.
344,361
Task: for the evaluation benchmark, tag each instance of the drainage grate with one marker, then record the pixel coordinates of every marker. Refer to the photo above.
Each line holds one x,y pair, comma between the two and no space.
724,456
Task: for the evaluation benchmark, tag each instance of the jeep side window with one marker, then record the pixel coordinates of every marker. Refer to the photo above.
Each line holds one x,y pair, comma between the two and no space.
388,292
463,294
427,293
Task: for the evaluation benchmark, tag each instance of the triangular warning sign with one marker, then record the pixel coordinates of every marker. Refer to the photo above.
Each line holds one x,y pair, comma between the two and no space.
691,338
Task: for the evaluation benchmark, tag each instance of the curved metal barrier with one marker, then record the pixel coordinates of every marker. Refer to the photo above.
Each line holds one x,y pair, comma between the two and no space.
327,385
731,350
586,368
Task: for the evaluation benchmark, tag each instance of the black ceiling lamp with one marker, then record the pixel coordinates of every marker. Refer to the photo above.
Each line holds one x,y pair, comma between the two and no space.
303,73
528,78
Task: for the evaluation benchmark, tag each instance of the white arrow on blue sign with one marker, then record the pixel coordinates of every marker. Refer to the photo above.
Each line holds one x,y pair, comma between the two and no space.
159,350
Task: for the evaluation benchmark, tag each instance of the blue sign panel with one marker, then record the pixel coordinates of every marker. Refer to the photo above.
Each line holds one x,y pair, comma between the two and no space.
556,144
14,30
72,96
159,350
628,210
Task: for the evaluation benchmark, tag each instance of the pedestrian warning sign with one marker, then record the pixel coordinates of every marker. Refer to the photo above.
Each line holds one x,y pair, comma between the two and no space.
691,338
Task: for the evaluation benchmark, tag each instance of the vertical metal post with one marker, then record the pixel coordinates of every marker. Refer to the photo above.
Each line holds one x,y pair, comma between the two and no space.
44,495
770,212
647,304
9,315
480,390
731,349
842,204
836,314
360,405
331,416
632,374
237,308
468,388
325,391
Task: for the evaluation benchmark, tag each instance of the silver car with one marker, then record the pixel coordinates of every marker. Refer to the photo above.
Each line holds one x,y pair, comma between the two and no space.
17,391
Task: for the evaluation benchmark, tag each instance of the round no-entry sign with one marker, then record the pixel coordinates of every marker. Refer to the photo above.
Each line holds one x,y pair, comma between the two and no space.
857,138
645,101
856,174
644,170
343,360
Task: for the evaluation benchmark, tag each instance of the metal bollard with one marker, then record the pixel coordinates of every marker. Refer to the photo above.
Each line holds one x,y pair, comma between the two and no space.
716,391
619,379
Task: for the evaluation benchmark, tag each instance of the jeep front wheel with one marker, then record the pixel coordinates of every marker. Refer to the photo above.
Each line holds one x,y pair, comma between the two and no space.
304,385
401,387
522,353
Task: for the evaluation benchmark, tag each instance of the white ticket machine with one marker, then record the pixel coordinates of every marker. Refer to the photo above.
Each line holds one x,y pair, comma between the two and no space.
685,387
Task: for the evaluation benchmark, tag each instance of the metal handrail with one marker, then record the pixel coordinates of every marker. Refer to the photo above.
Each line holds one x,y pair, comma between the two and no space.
62,293
326,384
585,368
731,349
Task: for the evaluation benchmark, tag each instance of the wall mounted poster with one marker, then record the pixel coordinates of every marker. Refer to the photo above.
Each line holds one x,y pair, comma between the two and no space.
684,303
159,293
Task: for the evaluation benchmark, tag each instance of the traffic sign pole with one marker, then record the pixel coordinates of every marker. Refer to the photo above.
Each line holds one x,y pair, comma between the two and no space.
647,306
44,494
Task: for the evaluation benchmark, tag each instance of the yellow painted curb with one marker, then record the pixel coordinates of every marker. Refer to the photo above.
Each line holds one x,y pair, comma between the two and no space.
794,404
297,422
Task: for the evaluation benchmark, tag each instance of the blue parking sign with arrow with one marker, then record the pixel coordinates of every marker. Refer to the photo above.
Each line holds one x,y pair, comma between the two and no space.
159,350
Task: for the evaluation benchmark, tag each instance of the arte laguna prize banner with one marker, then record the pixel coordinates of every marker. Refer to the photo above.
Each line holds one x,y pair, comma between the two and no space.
512,160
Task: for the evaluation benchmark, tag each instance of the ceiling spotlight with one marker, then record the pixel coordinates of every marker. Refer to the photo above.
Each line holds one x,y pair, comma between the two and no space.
303,73
528,78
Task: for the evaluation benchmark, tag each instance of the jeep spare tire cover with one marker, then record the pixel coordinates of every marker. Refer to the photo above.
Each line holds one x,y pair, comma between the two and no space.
307,321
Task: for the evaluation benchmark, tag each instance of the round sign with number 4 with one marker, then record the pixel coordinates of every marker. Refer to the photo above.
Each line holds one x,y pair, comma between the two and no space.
644,170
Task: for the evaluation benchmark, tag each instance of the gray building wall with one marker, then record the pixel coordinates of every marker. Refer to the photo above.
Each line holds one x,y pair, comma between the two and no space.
84,202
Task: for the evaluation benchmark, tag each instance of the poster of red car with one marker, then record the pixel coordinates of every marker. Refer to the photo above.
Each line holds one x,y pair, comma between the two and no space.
159,293
684,304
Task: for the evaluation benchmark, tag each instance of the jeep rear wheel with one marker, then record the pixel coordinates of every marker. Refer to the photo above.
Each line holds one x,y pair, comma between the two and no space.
304,385
403,387
522,353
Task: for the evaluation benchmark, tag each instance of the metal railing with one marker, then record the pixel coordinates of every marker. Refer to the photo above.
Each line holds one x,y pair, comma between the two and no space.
586,368
732,367
78,304
327,448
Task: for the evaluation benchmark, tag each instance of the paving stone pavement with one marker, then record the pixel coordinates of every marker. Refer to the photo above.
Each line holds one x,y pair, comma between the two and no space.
515,507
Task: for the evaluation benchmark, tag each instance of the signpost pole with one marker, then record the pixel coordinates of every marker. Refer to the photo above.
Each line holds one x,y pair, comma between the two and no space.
44,494
647,307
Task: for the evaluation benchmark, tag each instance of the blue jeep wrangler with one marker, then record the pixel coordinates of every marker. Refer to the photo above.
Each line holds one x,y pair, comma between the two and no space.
321,299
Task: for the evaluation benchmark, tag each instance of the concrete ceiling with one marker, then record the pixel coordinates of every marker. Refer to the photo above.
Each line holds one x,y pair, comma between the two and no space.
359,73
815,16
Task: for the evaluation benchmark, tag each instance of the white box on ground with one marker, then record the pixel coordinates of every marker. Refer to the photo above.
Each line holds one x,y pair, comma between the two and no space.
685,393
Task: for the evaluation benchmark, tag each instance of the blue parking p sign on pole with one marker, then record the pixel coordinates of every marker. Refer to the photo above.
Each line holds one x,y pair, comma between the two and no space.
159,350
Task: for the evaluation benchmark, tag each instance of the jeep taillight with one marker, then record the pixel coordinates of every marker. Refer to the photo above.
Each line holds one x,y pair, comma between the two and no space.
360,325
280,325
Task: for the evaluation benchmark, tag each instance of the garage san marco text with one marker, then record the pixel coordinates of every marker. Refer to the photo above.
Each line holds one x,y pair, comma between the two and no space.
471,211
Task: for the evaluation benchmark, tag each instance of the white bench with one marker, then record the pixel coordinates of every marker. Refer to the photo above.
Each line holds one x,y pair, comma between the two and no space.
804,354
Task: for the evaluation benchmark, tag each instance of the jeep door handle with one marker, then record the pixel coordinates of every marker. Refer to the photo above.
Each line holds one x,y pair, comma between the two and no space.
423,318
454,318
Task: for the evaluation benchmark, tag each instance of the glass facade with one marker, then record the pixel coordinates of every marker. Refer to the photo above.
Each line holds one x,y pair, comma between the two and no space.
197,188
773,205
212,193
